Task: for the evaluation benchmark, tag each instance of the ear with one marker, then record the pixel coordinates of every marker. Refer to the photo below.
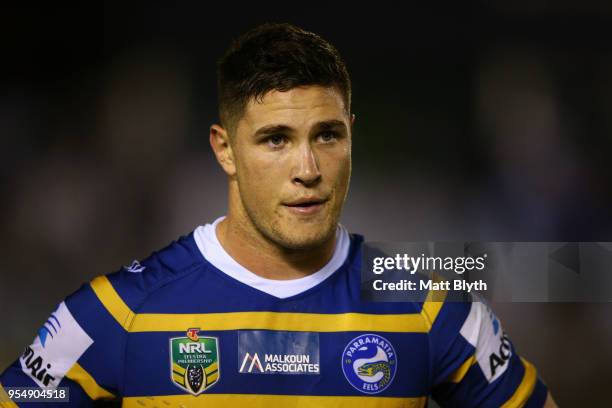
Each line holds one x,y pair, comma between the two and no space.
219,141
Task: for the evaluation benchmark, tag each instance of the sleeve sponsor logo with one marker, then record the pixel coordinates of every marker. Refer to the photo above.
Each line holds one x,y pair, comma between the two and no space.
60,343
36,367
499,359
483,330
52,325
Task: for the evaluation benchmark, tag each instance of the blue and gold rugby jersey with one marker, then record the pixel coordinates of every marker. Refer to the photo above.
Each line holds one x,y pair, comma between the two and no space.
174,331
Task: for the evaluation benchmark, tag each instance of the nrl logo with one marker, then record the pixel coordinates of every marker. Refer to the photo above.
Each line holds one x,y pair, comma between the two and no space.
195,361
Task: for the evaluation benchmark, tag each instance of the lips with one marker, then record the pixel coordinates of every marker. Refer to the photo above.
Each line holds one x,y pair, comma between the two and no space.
306,205
305,201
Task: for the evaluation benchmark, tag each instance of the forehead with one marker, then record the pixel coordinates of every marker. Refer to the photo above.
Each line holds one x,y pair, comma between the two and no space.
298,107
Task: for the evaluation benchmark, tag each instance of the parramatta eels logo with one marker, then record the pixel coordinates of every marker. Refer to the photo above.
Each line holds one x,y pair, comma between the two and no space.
369,363
195,361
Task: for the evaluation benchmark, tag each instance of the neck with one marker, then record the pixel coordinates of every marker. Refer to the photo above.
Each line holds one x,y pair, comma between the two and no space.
243,242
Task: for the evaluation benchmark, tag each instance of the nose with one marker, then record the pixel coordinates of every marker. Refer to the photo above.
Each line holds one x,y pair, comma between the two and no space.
306,171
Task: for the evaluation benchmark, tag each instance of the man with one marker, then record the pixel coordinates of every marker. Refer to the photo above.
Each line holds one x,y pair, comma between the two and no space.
262,307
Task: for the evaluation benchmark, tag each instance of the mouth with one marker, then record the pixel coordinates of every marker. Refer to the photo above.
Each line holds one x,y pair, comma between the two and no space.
306,205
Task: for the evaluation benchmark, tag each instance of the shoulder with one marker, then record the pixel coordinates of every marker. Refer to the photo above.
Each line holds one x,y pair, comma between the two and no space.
84,338
123,292
166,265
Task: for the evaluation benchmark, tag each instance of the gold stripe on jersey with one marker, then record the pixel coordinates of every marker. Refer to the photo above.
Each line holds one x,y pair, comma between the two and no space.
5,401
433,303
309,322
282,321
79,375
111,300
431,307
525,388
258,400
459,373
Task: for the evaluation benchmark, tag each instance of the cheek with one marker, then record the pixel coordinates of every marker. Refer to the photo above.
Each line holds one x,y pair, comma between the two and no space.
259,177
339,169
257,167
253,162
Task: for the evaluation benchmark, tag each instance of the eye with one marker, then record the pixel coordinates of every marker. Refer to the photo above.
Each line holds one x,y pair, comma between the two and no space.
275,141
328,136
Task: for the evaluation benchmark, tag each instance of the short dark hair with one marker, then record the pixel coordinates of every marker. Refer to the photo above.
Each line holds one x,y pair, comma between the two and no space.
280,57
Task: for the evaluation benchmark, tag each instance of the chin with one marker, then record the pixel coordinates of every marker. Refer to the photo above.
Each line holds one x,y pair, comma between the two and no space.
304,237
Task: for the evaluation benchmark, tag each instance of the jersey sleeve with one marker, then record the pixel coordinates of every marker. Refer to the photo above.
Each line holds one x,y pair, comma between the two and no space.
80,347
474,363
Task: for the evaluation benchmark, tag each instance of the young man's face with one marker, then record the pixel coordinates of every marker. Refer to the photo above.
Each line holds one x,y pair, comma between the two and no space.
292,155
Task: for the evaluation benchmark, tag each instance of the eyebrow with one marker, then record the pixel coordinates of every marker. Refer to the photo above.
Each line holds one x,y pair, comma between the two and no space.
274,129
330,124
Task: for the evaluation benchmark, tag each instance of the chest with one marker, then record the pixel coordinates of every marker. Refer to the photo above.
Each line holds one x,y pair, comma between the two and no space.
255,353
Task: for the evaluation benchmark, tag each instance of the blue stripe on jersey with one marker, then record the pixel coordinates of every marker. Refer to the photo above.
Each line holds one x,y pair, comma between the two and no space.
458,351
202,288
500,390
538,396
109,338
78,397
448,346
149,374
211,291
13,377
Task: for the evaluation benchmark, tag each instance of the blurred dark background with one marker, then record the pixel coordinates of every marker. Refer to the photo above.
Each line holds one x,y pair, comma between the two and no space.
474,123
